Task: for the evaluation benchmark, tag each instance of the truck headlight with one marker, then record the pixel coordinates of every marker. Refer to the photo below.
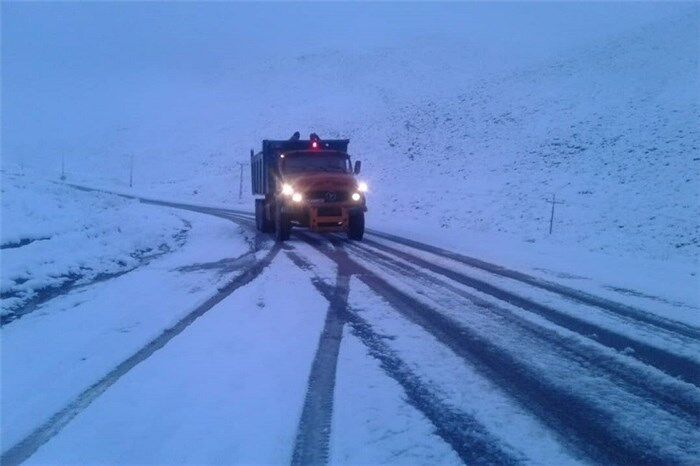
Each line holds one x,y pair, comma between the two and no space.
362,187
287,189
297,197
356,197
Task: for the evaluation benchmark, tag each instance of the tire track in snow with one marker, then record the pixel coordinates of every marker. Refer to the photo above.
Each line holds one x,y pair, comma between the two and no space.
313,434
669,397
562,290
30,444
673,397
579,423
472,442
75,281
311,445
673,364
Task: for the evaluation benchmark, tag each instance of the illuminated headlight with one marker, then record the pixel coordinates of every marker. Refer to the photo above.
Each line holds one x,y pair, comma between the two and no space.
362,187
356,197
287,189
297,197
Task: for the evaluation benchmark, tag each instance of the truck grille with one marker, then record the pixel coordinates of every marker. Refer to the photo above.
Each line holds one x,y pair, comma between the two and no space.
328,196
330,211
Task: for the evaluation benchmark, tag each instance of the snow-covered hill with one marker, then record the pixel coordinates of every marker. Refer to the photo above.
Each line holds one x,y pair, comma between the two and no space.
464,130
608,129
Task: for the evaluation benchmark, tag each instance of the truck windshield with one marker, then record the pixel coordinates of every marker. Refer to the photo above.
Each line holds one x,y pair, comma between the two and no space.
316,162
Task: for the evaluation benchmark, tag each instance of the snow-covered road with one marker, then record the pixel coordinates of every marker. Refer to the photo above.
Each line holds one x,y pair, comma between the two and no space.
322,350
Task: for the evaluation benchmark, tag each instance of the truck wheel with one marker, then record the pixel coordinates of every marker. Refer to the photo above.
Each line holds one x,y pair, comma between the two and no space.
282,225
356,226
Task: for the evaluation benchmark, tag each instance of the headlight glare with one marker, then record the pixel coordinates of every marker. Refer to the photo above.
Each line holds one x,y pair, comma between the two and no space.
362,187
287,189
297,197
356,197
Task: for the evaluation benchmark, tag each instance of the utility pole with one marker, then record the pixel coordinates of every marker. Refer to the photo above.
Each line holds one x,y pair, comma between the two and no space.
131,171
240,181
63,167
551,217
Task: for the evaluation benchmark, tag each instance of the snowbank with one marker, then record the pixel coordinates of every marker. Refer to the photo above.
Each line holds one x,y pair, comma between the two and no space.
54,237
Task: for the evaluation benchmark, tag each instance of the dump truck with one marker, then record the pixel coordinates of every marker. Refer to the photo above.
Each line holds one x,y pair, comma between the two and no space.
307,183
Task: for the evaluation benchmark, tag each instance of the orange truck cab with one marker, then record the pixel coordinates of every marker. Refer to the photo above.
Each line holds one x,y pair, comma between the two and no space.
307,183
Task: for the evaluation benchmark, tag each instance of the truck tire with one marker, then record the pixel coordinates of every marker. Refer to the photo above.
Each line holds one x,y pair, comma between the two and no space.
282,224
356,226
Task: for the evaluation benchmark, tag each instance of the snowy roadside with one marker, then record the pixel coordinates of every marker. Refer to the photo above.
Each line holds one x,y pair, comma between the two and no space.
55,238
70,341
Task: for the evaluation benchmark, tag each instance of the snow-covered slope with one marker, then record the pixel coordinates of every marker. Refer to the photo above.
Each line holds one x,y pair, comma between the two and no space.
607,129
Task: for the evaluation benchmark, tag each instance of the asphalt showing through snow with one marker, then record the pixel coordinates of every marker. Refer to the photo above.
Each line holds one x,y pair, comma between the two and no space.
580,422
313,434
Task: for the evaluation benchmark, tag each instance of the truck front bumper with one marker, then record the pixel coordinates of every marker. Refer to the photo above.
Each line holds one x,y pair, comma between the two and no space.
322,217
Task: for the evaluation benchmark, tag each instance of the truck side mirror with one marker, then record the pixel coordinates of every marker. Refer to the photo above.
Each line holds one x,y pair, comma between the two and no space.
358,165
